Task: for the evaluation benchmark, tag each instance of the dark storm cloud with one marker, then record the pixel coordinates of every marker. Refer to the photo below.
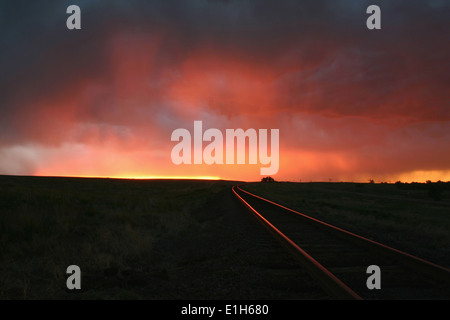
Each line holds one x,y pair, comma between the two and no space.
329,62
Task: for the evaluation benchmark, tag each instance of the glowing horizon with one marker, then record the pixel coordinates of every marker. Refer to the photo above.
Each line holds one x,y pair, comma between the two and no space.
419,177
136,177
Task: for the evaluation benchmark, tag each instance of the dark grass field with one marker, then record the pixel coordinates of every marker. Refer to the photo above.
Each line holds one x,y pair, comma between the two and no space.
113,229
138,239
187,239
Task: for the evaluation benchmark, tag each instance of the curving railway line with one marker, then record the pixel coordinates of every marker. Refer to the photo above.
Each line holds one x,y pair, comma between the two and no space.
338,260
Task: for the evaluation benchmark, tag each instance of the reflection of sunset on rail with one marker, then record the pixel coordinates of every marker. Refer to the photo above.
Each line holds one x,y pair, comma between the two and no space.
338,259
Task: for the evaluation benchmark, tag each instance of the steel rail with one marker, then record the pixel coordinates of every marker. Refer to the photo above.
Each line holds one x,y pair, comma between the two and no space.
436,271
329,282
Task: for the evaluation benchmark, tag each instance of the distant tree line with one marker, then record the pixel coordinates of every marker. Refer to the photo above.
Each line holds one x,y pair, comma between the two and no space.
435,190
421,185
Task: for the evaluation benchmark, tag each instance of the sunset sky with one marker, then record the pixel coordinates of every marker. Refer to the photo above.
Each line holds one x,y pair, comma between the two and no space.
351,104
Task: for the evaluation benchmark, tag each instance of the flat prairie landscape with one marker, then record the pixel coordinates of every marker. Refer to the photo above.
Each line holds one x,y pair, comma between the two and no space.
190,239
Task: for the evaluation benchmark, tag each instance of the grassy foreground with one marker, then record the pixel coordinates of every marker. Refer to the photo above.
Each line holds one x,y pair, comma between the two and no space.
105,226
181,239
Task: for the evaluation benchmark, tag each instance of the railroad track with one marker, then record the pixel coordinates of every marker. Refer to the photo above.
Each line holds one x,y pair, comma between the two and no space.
338,259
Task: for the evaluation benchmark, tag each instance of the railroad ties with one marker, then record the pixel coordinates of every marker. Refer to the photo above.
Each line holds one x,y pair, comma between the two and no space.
339,260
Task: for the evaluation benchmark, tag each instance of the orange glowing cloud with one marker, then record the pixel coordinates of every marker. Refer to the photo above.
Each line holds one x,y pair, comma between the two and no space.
350,105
